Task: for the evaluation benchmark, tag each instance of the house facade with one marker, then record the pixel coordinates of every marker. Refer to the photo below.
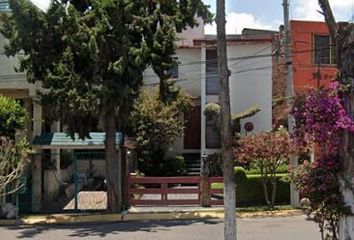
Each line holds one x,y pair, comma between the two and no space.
313,55
250,62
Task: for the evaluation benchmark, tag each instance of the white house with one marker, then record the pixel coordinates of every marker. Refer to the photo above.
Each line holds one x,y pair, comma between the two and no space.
250,63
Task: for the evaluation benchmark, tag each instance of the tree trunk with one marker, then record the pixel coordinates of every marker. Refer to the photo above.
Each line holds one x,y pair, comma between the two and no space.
342,35
274,190
265,191
113,170
226,134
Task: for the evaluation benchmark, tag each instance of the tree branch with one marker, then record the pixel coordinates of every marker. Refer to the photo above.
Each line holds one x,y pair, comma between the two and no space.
329,18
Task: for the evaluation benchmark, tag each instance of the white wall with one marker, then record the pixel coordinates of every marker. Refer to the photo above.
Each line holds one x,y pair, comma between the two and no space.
9,79
189,72
188,35
251,85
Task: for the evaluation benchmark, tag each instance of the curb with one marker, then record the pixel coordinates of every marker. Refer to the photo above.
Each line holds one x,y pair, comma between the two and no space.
139,216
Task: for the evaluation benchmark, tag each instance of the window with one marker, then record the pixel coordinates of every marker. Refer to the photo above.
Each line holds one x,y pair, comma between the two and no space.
212,134
212,74
324,51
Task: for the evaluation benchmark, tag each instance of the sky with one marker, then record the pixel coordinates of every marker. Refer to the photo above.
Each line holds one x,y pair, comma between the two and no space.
265,14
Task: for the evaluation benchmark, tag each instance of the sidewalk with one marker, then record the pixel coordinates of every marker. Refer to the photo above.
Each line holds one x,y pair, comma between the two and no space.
143,214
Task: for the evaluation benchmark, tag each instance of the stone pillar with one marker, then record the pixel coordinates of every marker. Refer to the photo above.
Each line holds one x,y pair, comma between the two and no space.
37,161
56,152
37,183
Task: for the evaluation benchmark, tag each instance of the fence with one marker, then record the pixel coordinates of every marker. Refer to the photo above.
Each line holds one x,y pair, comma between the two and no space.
77,183
162,191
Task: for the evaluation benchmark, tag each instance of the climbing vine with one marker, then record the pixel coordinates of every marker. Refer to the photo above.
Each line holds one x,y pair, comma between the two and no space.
320,122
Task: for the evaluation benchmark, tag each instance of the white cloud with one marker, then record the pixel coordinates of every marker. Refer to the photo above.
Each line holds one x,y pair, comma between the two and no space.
308,9
235,22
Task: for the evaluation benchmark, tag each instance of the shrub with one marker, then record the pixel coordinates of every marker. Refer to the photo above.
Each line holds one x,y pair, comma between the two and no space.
240,174
12,116
156,125
215,164
249,191
267,151
175,166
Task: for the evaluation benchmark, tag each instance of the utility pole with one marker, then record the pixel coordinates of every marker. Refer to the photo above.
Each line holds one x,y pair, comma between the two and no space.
294,195
226,134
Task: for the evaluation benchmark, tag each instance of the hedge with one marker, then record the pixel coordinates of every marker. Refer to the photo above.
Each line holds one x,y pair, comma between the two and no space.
249,189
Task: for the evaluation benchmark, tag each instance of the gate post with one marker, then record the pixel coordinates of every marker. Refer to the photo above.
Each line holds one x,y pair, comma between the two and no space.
204,182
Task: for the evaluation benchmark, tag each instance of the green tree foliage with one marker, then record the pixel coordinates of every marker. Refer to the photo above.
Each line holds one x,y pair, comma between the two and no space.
156,125
90,56
12,116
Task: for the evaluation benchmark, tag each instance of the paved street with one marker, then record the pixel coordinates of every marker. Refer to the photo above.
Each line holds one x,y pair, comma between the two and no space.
280,228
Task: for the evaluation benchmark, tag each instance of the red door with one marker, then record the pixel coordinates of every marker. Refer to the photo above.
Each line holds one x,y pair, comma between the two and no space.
192,128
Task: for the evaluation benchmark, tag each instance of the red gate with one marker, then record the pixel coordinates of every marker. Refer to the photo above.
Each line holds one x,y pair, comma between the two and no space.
186,191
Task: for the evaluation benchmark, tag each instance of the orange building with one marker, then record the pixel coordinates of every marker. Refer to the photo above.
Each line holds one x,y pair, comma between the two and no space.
313,55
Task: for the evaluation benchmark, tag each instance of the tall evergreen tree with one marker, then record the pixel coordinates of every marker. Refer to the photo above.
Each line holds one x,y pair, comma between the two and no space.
90,56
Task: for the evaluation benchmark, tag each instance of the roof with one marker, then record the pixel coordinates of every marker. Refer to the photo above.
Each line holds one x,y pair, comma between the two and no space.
64,141
235,38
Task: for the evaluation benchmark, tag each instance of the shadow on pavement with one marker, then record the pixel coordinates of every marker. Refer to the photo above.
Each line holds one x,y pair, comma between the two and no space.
101,230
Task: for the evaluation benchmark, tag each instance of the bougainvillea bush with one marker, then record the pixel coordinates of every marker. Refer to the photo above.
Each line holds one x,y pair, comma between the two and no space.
320,122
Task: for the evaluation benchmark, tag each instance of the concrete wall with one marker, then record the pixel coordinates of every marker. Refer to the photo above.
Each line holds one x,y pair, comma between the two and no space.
188,35
9,79
250,84
302,33
189,80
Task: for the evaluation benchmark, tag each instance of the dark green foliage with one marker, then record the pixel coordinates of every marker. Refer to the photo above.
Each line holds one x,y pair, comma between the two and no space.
156,125
240,174
12,116
90,54
250,191
175,166
255,170
215,164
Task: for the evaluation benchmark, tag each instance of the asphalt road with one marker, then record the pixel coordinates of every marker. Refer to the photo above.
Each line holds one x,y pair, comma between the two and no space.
279,228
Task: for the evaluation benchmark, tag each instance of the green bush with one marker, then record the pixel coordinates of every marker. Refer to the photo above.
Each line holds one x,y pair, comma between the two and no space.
255,170
249,189
215,164
175,166
240,174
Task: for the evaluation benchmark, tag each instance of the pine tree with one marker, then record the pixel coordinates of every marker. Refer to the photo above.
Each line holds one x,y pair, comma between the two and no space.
90,56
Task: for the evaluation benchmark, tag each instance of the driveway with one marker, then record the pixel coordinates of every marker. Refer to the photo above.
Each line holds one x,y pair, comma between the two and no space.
277,228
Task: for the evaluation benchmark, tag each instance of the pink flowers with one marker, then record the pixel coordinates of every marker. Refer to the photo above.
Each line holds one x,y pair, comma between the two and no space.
321,120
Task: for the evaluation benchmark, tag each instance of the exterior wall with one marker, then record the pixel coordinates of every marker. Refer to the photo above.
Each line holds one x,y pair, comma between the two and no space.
302,33
9,79
189,72
188,35
250,84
